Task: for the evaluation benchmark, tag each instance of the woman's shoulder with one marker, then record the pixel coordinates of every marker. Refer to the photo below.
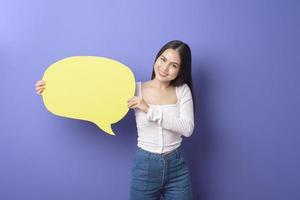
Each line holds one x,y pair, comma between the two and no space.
183,87
137,88
139,85
184,90
145,84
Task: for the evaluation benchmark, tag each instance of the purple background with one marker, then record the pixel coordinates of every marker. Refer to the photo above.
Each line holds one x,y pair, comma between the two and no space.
246,61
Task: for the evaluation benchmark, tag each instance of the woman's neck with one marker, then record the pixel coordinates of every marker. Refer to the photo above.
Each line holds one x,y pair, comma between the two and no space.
160,85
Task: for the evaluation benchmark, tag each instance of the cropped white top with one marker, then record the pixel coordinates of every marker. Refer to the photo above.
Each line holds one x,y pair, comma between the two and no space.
161,128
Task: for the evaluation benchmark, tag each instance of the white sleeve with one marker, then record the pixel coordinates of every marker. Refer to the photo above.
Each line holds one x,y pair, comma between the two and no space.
137,89
184,124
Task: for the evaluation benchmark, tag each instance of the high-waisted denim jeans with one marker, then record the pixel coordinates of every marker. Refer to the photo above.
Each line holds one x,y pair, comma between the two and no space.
154,175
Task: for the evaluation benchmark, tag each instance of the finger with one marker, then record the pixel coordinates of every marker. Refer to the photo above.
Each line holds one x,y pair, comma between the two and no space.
133,105
40,88
40,91
130,104
40,82
129,100
132,99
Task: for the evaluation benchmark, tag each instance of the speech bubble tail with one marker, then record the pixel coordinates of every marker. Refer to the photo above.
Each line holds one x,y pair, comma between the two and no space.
106,128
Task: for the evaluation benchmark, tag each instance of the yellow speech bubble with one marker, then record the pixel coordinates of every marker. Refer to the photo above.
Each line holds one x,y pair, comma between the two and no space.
90,88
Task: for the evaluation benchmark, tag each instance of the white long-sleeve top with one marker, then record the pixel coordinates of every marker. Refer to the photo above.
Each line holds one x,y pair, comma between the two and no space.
161,128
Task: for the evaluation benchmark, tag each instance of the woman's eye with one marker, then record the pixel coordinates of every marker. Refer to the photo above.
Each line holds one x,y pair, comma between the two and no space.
163,59
175,66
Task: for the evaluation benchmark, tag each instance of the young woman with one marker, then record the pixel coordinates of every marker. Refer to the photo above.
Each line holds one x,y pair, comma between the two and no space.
164,113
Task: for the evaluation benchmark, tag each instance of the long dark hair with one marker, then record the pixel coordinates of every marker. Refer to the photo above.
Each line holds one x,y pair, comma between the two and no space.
185,70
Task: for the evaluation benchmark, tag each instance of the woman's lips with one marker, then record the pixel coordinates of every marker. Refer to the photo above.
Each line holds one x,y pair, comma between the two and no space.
162,73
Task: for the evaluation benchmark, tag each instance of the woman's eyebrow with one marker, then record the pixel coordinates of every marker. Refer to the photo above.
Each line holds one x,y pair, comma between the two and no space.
170,61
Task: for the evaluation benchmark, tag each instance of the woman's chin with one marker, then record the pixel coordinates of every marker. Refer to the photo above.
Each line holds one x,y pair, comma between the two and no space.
163,79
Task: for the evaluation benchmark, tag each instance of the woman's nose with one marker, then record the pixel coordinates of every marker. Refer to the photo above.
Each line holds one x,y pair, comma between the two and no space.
165,67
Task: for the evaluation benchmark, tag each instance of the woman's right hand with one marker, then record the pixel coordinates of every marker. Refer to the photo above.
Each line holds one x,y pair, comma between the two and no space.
40,86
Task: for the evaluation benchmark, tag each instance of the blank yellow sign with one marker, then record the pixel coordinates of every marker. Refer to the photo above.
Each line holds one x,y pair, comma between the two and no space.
89,88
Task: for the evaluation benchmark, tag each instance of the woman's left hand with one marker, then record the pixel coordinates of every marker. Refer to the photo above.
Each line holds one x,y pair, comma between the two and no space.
138,102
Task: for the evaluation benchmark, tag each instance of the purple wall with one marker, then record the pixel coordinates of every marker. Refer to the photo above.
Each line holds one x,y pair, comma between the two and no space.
246,71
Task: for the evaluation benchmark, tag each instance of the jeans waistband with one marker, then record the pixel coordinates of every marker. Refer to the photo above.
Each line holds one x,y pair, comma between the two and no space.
175,153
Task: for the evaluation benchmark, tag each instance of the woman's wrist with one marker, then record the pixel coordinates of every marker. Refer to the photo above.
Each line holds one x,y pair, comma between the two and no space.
146,108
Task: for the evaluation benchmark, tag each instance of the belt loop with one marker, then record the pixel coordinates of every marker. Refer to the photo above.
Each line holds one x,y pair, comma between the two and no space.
177,152
149,155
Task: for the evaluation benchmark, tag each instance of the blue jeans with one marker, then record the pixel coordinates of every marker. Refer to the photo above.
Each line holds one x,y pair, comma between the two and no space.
155,175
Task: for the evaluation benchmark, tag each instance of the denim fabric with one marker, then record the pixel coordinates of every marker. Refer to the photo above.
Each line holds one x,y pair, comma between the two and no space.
155,175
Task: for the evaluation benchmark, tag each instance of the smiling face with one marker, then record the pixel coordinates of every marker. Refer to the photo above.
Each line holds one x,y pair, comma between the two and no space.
167,66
